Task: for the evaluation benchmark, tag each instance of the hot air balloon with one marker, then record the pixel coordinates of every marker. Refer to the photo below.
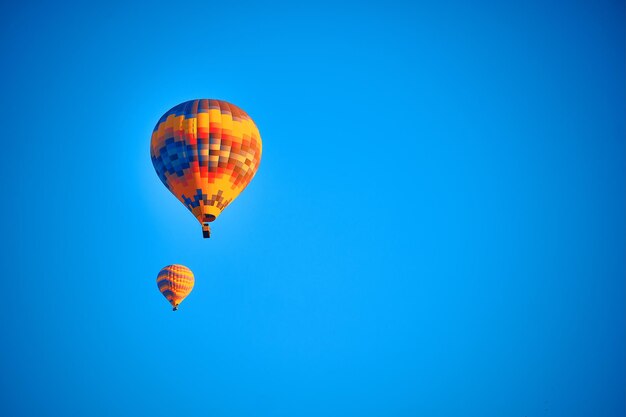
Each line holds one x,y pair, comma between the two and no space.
206,152
175,283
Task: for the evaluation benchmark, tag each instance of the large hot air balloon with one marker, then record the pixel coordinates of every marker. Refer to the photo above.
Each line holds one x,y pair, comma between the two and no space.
175,283
206,152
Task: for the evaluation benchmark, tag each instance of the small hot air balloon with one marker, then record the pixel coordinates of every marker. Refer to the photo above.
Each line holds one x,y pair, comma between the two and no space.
206,152
175,283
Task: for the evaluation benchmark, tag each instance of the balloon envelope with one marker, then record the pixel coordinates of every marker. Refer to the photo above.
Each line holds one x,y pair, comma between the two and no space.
175,283
206,152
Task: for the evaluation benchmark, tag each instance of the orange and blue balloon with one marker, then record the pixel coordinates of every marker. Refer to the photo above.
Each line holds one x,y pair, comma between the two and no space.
206,152
175,283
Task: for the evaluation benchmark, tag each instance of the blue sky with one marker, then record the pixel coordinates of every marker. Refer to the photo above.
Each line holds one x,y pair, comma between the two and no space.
437,226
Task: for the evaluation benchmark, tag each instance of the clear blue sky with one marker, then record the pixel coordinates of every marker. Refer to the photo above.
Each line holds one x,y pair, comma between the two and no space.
437,227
